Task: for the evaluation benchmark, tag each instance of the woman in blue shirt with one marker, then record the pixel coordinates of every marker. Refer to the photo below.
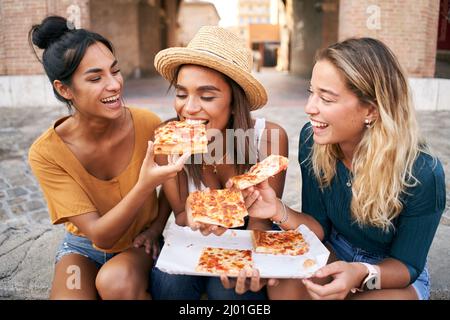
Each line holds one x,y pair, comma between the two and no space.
371,189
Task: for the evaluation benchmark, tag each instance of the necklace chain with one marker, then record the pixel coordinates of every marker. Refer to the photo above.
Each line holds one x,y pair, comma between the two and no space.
214,164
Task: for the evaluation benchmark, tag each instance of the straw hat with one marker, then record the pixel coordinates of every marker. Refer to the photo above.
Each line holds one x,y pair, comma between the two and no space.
218,49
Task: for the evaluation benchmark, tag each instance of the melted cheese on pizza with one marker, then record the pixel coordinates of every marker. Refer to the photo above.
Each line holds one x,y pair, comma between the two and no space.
285,242
223,207
178,136
224,261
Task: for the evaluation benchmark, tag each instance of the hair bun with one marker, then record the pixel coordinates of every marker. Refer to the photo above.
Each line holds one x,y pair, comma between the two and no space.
49,31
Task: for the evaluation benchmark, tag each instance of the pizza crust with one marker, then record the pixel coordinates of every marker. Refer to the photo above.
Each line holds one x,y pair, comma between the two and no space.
179,149
261,171
177,137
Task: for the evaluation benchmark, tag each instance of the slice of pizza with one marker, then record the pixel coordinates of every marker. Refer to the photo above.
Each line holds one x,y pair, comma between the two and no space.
223,207
176,137
261,171
284,242
224,261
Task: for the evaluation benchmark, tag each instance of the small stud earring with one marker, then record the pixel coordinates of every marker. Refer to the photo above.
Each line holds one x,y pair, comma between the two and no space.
367,123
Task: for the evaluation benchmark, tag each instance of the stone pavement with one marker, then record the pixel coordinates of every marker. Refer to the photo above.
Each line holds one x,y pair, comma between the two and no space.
28,241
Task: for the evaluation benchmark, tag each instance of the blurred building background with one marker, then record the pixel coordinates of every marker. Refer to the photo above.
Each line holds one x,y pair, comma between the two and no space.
191,16
138,29
258,26
284,34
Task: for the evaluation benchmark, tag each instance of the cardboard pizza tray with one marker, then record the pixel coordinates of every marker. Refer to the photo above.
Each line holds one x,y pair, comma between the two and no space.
183,247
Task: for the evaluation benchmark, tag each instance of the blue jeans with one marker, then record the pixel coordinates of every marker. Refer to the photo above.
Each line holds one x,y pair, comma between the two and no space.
165,286
82,246
347,252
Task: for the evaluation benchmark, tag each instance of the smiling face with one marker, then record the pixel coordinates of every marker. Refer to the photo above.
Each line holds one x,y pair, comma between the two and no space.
96,88
335,112
203,93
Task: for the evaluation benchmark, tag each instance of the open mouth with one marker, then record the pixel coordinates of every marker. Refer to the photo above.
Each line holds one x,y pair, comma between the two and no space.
111,100
197,121
317,124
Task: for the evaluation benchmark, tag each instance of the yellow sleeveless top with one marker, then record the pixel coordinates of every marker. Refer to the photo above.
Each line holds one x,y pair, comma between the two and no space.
70,190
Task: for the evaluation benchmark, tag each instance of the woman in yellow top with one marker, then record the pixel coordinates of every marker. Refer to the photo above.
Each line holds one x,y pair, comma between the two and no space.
95,169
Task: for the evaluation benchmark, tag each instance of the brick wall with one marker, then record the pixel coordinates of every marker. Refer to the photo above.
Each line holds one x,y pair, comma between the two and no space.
330,22
192,17
118,22
306,35
171,10
2,43
17,17
408,27
16,20
137,29
150,38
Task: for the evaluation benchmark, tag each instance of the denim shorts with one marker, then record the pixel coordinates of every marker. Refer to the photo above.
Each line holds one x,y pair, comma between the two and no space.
347,252
82,246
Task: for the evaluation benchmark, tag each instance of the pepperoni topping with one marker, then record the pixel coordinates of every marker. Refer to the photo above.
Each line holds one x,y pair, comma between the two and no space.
287,242
219,260
222,207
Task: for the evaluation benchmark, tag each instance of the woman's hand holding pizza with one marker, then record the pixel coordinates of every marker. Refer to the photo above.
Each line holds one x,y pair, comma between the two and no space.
261,200
205,228
152,174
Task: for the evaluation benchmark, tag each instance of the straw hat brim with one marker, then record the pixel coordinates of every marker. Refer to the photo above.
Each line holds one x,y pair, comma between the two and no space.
167,61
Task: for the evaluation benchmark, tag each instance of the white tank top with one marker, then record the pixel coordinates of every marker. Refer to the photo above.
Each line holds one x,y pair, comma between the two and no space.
260,125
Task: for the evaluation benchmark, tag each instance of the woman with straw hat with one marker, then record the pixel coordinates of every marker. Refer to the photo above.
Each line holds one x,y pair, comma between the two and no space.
213,82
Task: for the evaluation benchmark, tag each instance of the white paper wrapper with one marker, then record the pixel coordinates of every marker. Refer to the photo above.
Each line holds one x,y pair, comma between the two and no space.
183,247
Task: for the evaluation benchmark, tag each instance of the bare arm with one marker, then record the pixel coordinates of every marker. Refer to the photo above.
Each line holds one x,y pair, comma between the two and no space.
149,238
164,210
104,231
175,192
394,274
349,275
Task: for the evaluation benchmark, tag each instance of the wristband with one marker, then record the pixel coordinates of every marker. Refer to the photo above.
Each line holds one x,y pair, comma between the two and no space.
372,281
285,217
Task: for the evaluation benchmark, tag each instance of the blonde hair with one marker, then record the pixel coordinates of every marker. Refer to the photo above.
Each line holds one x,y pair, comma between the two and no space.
383,160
